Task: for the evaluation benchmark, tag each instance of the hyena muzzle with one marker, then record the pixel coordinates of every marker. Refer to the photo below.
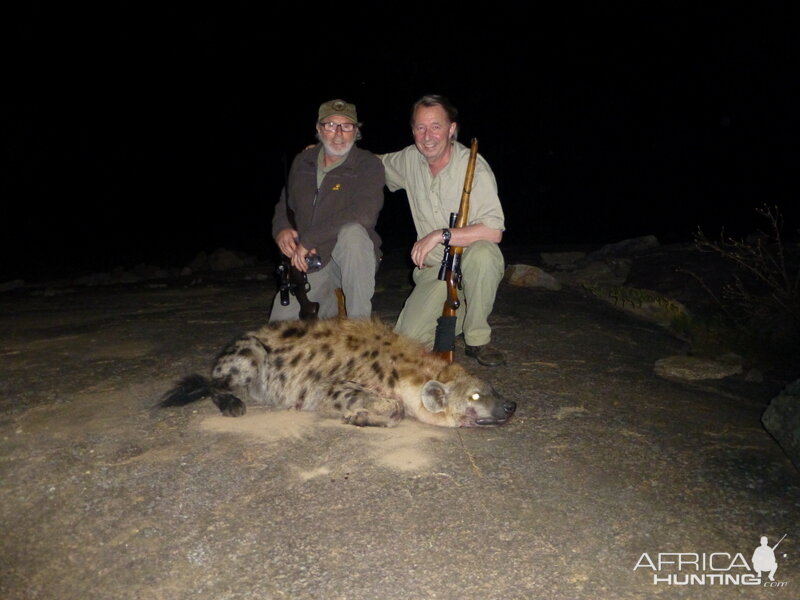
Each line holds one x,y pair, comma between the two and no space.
356,369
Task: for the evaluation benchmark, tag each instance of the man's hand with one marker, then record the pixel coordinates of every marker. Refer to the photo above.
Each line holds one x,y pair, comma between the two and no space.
299,257
287,241
423,247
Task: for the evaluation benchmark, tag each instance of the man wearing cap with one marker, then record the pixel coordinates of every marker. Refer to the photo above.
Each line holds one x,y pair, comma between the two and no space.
335,191
432,172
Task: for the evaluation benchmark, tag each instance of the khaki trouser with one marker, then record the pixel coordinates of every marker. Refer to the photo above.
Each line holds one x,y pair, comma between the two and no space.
352,267
482,268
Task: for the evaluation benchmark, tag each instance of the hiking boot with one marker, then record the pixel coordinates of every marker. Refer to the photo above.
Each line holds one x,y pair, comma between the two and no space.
486,355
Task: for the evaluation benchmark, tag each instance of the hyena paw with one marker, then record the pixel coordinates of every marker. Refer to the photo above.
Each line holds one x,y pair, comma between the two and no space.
359,418
230,406
363,418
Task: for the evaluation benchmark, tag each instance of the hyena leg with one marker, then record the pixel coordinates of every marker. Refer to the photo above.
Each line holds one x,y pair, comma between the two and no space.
360,406
238,369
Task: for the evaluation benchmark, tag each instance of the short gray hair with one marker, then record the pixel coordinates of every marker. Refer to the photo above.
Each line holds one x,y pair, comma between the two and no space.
430,100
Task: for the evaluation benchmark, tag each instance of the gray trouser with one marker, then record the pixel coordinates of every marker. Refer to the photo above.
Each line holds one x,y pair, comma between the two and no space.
352,267
482,270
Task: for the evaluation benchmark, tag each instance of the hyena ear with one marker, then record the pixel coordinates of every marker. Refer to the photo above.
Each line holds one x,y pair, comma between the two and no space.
434,396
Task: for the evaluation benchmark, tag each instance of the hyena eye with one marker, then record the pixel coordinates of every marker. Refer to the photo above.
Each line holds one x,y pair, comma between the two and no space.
476,396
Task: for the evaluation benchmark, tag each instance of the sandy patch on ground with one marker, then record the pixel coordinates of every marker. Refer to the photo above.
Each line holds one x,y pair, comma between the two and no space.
265,426
405,447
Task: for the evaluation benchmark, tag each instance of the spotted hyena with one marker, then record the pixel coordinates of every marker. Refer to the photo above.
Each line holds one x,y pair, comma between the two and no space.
359,370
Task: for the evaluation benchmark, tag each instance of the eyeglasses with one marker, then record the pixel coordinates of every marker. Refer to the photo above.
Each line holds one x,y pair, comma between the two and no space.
332,126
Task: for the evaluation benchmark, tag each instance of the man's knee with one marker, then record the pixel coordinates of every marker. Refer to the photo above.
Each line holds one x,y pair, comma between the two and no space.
353,241
483,257
354,247
354,232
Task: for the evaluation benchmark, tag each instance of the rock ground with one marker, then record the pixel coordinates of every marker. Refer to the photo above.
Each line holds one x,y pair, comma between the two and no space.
103,497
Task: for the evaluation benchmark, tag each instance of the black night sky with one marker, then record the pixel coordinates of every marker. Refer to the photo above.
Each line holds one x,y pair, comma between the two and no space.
147,135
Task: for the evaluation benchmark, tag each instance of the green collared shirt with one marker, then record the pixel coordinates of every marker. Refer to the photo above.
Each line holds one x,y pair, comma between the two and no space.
322,170
433,198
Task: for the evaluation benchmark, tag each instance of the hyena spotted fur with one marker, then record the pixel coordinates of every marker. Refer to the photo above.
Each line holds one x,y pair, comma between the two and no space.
359,370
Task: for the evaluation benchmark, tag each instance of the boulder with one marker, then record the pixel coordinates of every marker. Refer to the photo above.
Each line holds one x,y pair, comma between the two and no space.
223,260
14,284
199,262
220,259
530,276
145,271
695,368
627,247
561,259
782,420
645,304
93,279
597,273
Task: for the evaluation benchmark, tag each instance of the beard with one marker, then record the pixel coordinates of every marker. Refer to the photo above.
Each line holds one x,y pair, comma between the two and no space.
340,149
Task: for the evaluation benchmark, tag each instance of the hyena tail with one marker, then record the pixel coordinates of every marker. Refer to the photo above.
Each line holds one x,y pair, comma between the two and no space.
196,387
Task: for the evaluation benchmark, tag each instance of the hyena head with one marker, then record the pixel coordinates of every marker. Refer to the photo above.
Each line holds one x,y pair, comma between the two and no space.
457,399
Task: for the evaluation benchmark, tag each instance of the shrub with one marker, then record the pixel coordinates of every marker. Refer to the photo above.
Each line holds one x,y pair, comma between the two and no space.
762,297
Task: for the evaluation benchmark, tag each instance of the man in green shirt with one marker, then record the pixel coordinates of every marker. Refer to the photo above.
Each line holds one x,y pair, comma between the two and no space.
432,172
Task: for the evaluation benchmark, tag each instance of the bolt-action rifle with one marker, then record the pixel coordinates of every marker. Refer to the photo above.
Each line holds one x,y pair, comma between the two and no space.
450,271
291,280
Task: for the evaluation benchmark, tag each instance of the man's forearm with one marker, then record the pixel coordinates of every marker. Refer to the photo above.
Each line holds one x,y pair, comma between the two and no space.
459,236
464,236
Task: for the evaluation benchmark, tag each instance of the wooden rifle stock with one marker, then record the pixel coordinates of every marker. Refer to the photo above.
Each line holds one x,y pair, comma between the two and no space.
450,271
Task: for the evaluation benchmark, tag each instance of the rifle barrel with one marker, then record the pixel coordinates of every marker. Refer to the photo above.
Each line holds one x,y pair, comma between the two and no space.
779,541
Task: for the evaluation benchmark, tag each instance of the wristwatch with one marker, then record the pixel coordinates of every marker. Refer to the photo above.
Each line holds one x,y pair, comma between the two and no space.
446,236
